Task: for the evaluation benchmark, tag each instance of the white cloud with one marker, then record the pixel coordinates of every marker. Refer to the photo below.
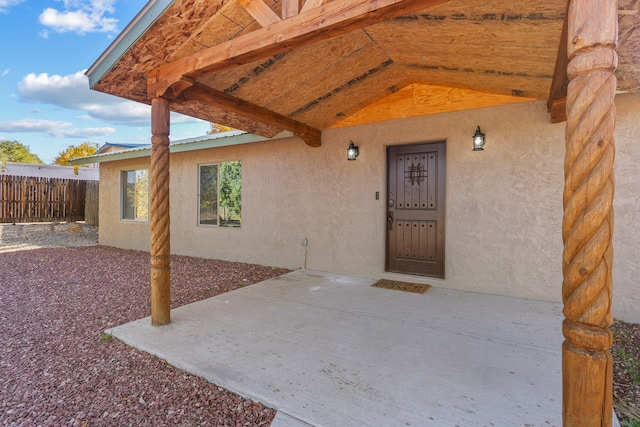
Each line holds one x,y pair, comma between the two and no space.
5,5
72,92
4,72
53,128
31,125
80,17
83,133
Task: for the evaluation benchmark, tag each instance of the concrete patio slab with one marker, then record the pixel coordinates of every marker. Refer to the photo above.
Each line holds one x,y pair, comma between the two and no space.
330,350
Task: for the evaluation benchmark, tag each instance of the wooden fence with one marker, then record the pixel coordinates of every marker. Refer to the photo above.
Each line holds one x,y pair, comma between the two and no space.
91,203
34,199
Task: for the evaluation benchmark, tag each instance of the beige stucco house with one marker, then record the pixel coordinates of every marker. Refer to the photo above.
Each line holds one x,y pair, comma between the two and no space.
408,82
503,204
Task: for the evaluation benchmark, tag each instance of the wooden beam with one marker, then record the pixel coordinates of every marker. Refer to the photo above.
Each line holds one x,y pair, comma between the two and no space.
558,110
290,8
320,23
587,225
206,95
159,214
260,12
557,101
310,4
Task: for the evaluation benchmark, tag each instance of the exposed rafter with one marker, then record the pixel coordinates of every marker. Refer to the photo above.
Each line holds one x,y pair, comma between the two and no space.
316,24
259,10
557,102
198,92
290,8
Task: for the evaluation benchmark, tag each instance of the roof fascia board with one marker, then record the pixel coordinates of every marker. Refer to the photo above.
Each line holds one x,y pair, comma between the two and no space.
111,157
136,29
183,145
204,142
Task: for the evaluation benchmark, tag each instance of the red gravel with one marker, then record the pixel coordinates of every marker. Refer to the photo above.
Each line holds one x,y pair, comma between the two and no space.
56,366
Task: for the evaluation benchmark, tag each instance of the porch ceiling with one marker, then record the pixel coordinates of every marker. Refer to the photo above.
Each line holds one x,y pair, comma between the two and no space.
497,47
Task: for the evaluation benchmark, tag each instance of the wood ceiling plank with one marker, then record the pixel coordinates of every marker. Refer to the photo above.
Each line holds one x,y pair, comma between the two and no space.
208,96
317,24
507,10
262,81
543,34
219,28
260,12
348,83
354,68
351,98
525,61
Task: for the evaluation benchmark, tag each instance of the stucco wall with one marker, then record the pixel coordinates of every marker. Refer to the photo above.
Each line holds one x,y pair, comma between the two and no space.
114,231
504,204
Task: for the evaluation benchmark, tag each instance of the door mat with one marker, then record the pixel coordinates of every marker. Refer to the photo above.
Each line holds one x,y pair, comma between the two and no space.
417,288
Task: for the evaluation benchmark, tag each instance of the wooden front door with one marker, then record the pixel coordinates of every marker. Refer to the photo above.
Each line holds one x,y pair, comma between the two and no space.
415,209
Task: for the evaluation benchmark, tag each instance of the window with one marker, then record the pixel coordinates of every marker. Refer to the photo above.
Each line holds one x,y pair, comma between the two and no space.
135,195
220,194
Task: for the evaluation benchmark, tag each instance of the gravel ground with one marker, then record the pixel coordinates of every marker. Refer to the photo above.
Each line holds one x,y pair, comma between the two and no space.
57,368
626,372
18,237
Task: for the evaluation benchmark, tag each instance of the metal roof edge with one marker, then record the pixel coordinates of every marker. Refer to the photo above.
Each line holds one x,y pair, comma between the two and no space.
132,32
232,138
132,153
182,145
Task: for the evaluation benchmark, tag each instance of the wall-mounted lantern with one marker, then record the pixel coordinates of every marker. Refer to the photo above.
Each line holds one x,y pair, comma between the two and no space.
353,151
478,140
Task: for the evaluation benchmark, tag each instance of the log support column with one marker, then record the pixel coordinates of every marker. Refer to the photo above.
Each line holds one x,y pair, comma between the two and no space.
587,226
160,249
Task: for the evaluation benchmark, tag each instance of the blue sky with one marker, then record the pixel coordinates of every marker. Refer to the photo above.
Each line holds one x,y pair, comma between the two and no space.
45,100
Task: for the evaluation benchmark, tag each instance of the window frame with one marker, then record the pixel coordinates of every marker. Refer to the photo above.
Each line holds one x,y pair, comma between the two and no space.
218,223
124,199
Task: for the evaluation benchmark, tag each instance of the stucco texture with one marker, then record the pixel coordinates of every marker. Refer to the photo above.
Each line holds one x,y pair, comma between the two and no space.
503,204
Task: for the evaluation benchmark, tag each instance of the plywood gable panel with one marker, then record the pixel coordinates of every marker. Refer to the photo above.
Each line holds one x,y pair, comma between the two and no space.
498,83
420,100
129,73
406,30
531,72
355,69
262,81
332,107
506,10
217,29
353,108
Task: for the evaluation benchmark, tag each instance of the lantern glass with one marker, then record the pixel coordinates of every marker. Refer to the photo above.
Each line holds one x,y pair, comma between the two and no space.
478,140
353,151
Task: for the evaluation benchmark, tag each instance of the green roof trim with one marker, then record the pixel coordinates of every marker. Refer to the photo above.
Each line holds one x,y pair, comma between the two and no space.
136,29
191,144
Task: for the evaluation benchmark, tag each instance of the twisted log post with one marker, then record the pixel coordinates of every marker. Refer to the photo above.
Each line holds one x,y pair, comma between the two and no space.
160,248
587,226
